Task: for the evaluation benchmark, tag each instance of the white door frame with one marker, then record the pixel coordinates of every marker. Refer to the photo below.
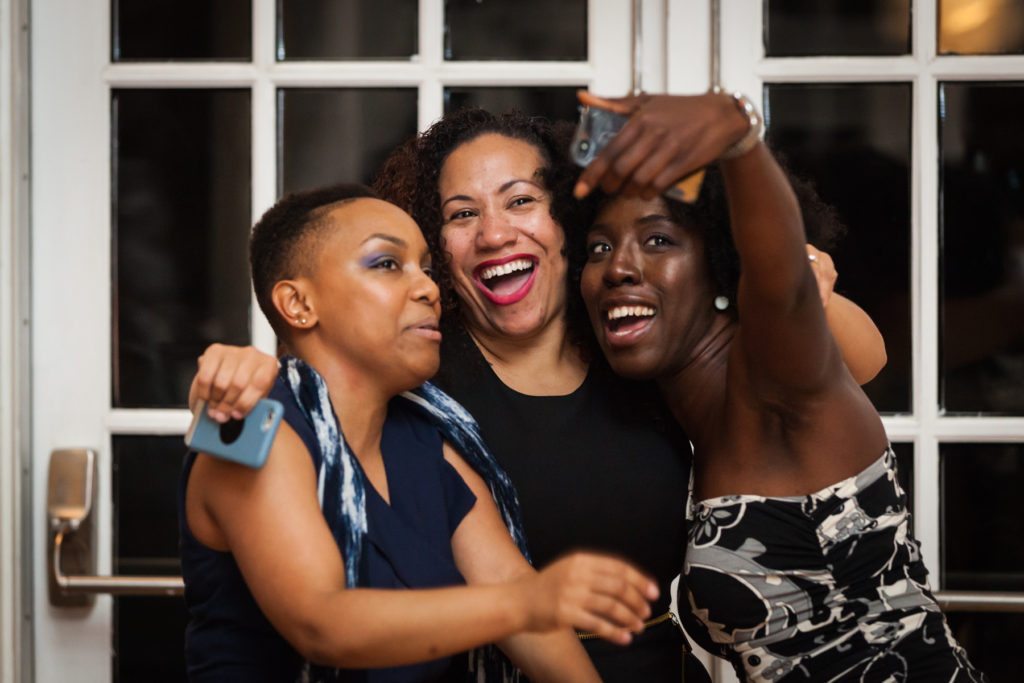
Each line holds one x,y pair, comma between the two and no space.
15,538
70,138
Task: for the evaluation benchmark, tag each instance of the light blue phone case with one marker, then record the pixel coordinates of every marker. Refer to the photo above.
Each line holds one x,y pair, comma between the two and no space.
246,442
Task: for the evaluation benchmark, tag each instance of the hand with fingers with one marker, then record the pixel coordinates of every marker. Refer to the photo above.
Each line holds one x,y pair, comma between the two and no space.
588,592
666,138
231,379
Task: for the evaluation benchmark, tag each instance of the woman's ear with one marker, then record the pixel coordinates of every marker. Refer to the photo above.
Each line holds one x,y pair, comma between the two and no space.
293,303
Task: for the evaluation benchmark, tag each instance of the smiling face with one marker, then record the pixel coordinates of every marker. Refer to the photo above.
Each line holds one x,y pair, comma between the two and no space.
647,288
506,251
376,304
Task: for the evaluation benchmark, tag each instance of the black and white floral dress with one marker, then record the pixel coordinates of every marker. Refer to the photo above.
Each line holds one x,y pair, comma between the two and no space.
824,587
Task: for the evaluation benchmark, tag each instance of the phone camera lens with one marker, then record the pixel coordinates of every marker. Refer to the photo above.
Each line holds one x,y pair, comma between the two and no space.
231,430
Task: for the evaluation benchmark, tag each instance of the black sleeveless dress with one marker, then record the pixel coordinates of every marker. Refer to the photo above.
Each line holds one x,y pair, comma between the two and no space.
603,468
408,545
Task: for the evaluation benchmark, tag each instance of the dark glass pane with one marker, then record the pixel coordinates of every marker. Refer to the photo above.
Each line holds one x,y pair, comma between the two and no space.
149,633
981,520
799,28
988,27
146,470
339,135
182,30
554,103
853,142
982,259
347,29
181,210
526,30
992,642
149,640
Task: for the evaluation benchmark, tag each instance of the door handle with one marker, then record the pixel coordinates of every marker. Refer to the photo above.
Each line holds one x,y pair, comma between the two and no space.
71,489
980,601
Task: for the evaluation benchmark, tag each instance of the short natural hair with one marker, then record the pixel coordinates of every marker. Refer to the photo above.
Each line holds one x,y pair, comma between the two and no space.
284,242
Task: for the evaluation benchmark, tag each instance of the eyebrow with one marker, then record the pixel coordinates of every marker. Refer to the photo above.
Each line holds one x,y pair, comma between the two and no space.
387,238
512,182
504,188
654,218
643,220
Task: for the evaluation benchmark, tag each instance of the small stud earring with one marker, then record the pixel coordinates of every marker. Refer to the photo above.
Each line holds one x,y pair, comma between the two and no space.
301,321
721,303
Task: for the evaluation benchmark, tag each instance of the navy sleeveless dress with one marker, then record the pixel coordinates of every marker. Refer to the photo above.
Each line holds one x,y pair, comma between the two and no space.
408,545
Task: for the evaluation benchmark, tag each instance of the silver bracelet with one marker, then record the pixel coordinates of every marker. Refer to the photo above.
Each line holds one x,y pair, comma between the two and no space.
754,131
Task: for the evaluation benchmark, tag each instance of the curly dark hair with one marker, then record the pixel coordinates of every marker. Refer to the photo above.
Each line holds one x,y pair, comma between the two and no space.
710,215
409,178
284,242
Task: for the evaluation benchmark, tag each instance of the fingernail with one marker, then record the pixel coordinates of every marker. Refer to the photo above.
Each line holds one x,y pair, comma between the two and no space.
218,416
581,190
652,591
237,414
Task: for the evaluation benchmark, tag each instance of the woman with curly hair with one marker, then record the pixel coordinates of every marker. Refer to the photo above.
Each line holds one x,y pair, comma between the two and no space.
597,460
800,564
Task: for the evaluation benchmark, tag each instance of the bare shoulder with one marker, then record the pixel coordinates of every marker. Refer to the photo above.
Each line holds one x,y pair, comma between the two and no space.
219,490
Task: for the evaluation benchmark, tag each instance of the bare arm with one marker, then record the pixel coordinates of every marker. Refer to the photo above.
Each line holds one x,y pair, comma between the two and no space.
785,338
270,521
556,655
856,334
859,340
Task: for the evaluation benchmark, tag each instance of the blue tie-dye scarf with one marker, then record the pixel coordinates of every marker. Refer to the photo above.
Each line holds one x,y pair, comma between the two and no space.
341,488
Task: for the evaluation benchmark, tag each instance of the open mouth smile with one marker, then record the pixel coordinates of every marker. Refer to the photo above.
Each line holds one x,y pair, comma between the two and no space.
508,280
625,325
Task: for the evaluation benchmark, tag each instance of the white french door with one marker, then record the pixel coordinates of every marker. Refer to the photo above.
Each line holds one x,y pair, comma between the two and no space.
899,111
150,159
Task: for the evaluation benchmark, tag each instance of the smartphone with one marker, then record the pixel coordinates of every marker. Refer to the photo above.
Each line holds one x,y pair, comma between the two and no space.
596,129
245,441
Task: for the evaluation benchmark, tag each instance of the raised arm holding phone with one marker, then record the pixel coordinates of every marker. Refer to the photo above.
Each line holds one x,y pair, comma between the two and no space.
800,564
